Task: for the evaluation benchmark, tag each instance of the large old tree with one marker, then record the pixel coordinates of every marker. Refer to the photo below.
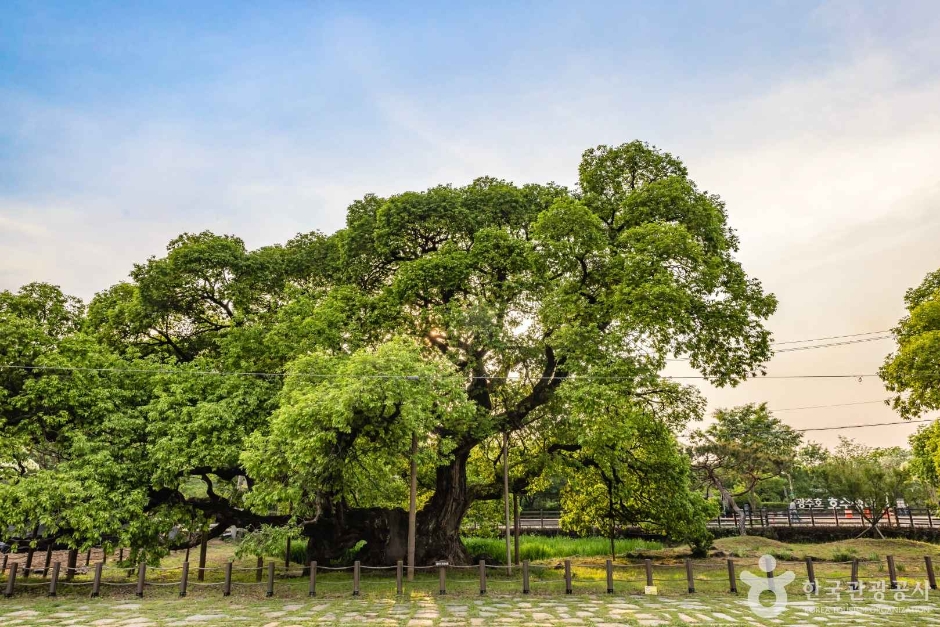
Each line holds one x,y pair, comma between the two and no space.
286,383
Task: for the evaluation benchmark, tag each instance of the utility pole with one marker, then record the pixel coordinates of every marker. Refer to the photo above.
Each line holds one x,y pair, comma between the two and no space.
413,508
506,499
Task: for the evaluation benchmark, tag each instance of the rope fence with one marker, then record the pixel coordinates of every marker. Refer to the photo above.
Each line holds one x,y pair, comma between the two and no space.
636,578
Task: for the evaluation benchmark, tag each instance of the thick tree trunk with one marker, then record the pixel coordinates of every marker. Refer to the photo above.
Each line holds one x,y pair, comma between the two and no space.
385,531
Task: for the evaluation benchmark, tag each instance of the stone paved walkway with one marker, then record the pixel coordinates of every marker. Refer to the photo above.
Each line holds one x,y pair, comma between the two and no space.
452,612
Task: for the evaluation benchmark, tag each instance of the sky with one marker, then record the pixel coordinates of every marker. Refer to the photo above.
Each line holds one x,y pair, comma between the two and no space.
125,124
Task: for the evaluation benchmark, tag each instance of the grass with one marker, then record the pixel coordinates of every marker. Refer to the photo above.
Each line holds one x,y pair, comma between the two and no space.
539,548
841,551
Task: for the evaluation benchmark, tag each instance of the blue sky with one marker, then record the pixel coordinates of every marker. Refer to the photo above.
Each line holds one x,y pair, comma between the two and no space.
123,124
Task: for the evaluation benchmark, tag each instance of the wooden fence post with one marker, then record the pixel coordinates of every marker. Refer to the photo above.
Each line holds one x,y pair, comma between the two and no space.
312,588
689,576
525,576
258,569
227,586
141,578
3,568
87,558
892,573
442,577
812,516
931,576
649,571
733,585
11,580
356,578
54,582
96,582
835,512
610,576
853,582
482,576
184,579
399,576
568,589
910,517
270,590
811,573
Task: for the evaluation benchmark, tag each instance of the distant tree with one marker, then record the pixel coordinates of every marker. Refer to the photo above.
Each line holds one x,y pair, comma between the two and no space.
745,446
913,370
925,460
871,479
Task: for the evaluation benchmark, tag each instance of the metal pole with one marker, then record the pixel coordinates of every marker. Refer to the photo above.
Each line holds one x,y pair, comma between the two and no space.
506,499
413,508
515,508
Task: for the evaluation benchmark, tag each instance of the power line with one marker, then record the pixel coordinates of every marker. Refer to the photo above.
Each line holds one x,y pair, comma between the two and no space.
873,424
814,346
831,337
827,406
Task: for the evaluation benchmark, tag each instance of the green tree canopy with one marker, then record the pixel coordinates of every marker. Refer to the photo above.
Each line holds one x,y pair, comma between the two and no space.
288,379
913,370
